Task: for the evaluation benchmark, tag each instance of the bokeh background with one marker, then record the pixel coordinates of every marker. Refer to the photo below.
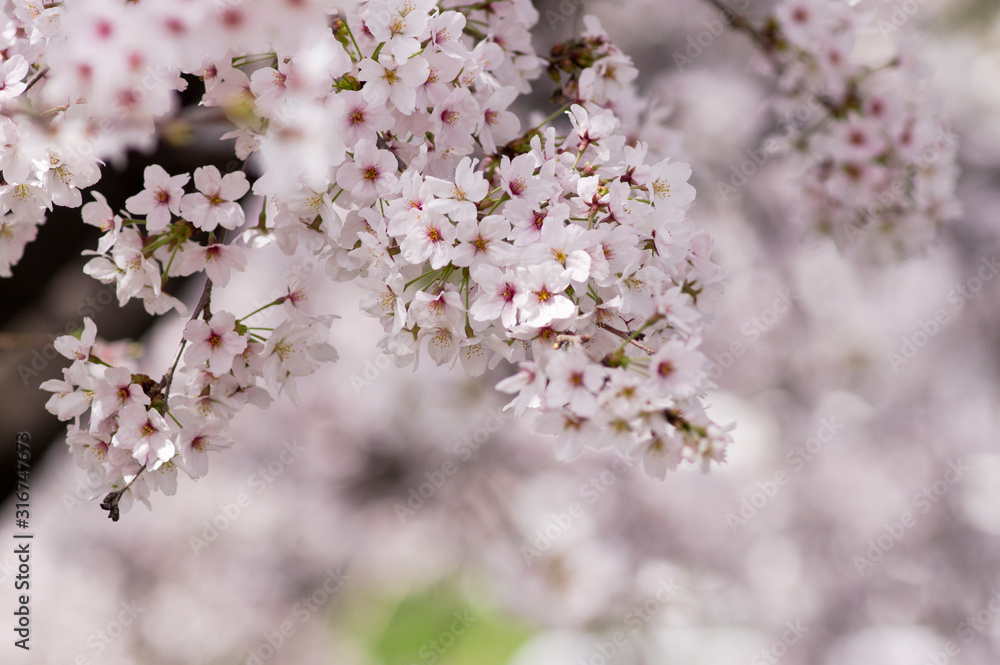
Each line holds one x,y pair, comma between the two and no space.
401,518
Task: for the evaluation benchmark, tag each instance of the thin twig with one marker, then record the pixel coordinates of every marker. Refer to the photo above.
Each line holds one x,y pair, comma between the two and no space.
204,303
23,341
38,77
769,47
627,337
110,502
744,25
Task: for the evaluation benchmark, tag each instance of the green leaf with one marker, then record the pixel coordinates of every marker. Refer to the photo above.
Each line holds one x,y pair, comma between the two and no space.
437,625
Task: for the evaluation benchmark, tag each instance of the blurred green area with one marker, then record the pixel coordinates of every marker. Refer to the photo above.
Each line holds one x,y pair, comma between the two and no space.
433,625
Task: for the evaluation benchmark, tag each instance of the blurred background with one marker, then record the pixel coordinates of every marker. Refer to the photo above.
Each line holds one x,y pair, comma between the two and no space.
400,518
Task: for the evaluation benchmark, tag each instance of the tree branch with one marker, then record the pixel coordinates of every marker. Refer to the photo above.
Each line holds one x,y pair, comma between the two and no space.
627,337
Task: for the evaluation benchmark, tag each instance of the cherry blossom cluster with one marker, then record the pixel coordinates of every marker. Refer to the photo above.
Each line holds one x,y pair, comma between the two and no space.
380,139
560,256
129,431
574,259
874,160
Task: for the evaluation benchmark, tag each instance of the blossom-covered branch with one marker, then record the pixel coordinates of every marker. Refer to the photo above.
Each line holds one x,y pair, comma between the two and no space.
380,140
877,164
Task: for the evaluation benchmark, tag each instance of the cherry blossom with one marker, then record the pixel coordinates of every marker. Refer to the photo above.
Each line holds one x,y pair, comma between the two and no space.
215,341
371,174
197,438
387,80
113,392
11,72
146,433
160,198
78,348
214,204
217,260
383,142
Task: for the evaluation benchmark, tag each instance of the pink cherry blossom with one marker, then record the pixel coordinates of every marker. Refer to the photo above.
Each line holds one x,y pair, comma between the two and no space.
215,341
146,434
78,348
215,202
11,73
370,174
160,198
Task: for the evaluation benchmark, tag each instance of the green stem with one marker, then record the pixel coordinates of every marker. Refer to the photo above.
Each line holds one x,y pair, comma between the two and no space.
353,40
172,417
417,279
276,301
562,109
166,271
250,62
504,198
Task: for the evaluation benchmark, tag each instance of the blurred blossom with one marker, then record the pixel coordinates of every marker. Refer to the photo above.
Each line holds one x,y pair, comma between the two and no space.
410,495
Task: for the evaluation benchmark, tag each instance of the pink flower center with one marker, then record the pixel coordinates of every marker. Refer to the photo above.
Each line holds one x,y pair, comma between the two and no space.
537,217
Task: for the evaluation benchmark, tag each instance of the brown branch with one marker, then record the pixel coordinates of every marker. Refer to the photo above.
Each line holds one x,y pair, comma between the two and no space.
23,341
769,46
110,502
742,24
204,303
38,77
627,337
